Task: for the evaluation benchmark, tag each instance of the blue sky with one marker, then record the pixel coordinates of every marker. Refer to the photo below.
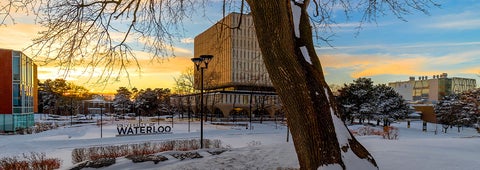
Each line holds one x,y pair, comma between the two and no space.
446,41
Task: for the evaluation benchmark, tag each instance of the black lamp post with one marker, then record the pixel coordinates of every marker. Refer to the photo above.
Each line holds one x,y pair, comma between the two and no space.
205,59
101,119
71,111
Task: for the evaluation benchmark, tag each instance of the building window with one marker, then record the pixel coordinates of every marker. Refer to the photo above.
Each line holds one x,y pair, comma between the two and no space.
17,98
16,68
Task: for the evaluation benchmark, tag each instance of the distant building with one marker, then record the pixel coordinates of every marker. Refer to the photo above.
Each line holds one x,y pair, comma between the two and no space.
432,90
18,90
98,105
236,80
237,62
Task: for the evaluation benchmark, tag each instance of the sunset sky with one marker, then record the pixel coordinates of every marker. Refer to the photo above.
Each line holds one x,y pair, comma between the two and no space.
446,41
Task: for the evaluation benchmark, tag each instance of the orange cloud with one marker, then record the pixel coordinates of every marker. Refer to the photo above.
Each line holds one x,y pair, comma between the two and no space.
385,64
18,36
151,74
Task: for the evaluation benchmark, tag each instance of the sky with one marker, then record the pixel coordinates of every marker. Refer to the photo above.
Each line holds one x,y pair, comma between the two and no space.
447,40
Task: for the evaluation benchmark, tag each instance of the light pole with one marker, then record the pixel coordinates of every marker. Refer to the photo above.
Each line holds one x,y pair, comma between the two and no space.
101,120
205,59
71,111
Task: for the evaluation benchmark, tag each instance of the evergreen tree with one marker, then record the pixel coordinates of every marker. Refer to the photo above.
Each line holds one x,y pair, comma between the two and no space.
446,110
150,101
471,100
122,101
362,100
459,109
357,99
389,104
60,97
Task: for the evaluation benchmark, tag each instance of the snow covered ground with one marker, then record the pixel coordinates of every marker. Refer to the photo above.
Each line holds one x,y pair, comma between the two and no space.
263,147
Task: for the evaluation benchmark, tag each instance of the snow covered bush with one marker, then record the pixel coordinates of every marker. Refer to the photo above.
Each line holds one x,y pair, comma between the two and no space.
79,155
390,132
39,127
367,130
13,163
147,148
37,161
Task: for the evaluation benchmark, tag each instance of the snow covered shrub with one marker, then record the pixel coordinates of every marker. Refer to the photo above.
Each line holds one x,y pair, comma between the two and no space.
40,162
186,145
39,127
79,155
368,130
167,146
143,149
13,163
115,151
216,143
390,132
23,131
37,161
94,153
139,149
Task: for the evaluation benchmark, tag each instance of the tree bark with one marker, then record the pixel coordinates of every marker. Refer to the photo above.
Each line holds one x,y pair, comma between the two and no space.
321,139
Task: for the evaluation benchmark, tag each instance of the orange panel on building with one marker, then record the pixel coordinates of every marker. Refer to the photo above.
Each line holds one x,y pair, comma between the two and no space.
428,113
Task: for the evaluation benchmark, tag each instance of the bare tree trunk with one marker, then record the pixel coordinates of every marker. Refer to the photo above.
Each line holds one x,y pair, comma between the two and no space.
321,139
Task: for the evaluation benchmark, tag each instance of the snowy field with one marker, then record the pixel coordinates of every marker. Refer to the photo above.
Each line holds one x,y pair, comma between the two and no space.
263,147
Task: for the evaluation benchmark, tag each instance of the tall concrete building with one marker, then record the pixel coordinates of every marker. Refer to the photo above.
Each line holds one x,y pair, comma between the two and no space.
431,90
237,62
236,80
18,90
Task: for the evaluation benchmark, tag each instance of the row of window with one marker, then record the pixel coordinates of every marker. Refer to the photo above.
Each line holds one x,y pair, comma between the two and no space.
245,43
22,68
267,100
23,83
246,27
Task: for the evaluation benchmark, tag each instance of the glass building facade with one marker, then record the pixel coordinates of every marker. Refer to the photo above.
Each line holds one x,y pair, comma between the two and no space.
18,89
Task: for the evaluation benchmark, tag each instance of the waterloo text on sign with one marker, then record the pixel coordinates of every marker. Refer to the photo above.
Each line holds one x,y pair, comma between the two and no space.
142,129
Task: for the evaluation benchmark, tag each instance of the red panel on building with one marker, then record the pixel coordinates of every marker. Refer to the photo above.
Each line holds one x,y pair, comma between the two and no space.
5,81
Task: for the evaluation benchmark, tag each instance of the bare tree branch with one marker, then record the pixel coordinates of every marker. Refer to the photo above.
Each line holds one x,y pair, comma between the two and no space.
92,34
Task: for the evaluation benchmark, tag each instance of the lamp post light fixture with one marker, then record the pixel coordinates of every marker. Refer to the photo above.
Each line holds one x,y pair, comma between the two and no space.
205,59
